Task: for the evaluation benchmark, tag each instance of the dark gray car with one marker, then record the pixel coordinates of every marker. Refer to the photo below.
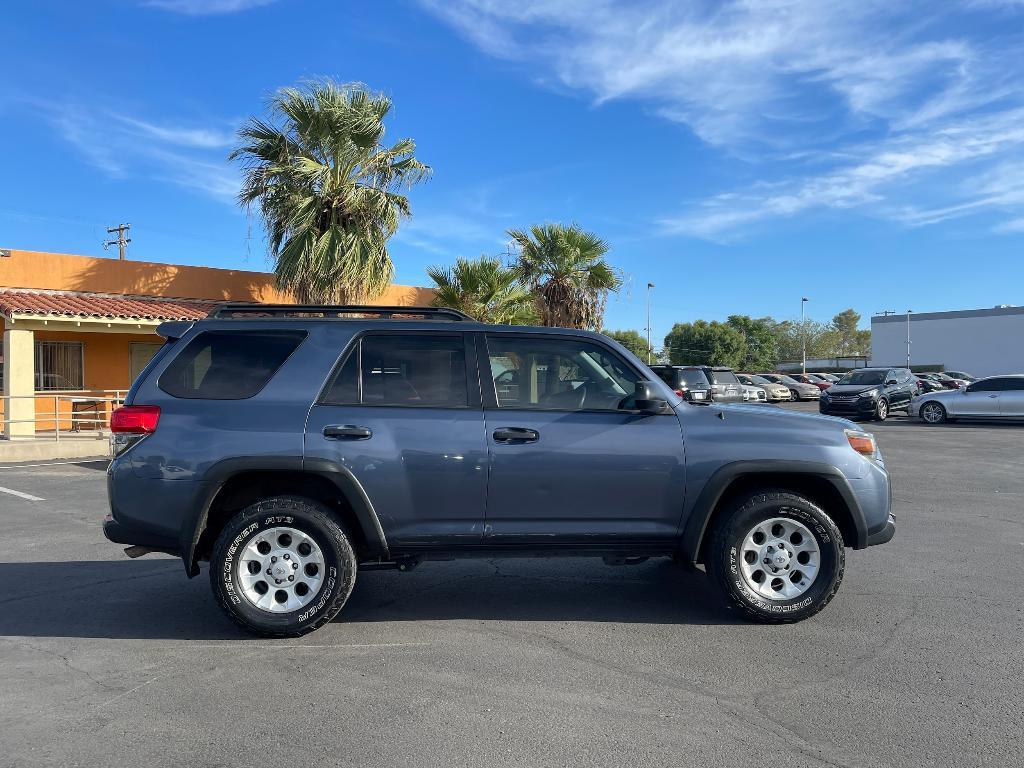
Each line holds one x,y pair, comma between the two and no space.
292,446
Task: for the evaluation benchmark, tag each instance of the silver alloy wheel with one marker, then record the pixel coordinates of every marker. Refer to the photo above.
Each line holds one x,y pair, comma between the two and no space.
883,410
933,413
280,570
779,558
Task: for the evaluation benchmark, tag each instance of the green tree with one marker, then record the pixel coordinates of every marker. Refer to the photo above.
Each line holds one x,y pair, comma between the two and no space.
328,190
567,272
762,351
705,343
849,340
634,341
484,289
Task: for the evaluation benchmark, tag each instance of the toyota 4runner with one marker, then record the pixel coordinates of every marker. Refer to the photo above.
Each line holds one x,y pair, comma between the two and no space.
290,446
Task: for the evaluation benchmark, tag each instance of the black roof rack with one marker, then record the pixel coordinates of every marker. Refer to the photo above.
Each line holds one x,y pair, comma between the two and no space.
240,311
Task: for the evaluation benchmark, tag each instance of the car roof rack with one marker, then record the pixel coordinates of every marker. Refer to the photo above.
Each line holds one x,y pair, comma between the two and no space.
243,311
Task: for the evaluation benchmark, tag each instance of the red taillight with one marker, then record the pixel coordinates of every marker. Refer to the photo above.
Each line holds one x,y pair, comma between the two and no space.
137,419
679,392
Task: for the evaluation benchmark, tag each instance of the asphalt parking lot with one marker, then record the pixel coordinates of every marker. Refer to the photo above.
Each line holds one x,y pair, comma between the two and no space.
107,661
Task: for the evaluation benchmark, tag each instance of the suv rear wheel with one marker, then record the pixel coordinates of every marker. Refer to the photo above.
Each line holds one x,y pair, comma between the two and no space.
282,567
777,556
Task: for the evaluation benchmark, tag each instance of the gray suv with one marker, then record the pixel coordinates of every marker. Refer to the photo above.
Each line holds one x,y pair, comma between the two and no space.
291,446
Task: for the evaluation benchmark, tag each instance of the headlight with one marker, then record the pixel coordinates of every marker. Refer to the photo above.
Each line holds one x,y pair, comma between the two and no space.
870,393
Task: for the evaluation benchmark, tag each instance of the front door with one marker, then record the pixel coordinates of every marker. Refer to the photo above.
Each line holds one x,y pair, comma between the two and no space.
1011,399
568,465
401,415
979,399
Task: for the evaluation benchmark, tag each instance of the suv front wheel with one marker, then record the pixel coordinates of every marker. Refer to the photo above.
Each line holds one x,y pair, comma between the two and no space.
777,556
282,567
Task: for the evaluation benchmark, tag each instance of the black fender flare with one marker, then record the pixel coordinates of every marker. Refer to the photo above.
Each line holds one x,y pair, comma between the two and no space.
699,514
339,476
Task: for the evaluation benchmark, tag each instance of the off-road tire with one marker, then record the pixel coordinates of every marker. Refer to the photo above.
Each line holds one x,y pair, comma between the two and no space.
722,556
313,519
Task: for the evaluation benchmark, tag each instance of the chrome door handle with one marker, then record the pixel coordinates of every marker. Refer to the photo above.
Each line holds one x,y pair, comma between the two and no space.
993,395
342,431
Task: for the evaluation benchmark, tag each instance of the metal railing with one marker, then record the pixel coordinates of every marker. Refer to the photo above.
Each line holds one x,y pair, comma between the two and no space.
84,411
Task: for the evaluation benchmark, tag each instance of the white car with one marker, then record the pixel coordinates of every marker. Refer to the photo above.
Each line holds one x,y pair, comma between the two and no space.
994,397
752,394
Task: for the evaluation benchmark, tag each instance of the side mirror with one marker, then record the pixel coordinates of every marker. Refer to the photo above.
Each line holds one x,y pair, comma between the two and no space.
648,398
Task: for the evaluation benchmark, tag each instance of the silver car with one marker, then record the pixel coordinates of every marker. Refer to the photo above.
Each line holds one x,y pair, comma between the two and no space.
994,397
773,392
797,389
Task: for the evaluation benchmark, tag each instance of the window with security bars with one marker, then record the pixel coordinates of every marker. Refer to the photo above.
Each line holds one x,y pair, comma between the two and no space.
59,365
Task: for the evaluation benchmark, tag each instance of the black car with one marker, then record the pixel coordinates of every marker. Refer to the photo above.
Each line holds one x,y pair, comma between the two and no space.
870,393
725,387
689,383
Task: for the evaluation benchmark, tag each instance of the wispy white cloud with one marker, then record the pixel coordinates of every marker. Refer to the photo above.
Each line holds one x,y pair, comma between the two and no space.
123,146
865,99
206,7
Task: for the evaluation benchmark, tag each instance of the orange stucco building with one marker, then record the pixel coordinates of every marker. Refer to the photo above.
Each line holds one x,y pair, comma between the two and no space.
86,326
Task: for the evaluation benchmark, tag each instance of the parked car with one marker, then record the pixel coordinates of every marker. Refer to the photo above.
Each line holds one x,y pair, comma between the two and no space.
925,385
947,382
810,378
961,376
725,387
753,394
993,397
870,393
292,446
689,383
772,391
827,376
798,390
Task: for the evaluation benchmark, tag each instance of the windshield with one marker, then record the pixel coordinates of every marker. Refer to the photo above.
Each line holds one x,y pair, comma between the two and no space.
760,380
694,379
724,377
863,377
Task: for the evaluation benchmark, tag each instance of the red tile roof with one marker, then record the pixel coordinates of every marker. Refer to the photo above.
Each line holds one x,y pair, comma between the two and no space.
68,304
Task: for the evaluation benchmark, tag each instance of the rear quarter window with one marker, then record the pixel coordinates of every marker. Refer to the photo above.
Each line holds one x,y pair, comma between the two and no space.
724,377
228,365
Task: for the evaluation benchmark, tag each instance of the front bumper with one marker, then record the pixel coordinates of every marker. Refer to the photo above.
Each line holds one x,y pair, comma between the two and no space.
862,406
884,534
122,534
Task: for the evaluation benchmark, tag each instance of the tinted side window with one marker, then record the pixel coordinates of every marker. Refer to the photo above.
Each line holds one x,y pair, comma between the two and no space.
557,374
384,369
228,365
1013,384
988,385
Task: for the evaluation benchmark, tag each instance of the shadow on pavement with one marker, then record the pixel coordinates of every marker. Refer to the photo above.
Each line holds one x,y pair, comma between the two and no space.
154,600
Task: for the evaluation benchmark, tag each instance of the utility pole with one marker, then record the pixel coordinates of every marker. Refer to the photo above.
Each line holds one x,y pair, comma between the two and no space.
121,242
908,337
803,333
650,349
886,312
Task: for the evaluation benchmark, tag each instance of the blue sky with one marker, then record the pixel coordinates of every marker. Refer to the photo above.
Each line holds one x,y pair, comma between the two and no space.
739,155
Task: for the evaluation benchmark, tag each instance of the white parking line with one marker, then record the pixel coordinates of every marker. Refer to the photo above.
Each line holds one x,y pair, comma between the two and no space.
19,494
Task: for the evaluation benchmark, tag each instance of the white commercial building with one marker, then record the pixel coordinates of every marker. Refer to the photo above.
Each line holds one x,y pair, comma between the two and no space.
981,342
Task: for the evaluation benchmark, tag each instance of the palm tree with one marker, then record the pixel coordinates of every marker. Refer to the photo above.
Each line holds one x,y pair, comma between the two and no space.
328,190
484,289
566,270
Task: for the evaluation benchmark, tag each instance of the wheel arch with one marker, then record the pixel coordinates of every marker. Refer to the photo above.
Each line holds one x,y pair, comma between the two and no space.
236,484
821,483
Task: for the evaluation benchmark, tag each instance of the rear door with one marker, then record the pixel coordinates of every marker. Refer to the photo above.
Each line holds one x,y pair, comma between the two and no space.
980,399
402,414
1011,398
567,464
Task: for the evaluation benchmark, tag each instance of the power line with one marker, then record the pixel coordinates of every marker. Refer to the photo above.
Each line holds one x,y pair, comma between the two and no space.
121,242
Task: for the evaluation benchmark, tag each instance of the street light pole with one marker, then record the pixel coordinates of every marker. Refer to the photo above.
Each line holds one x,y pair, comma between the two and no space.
650,350
908,337
803,334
